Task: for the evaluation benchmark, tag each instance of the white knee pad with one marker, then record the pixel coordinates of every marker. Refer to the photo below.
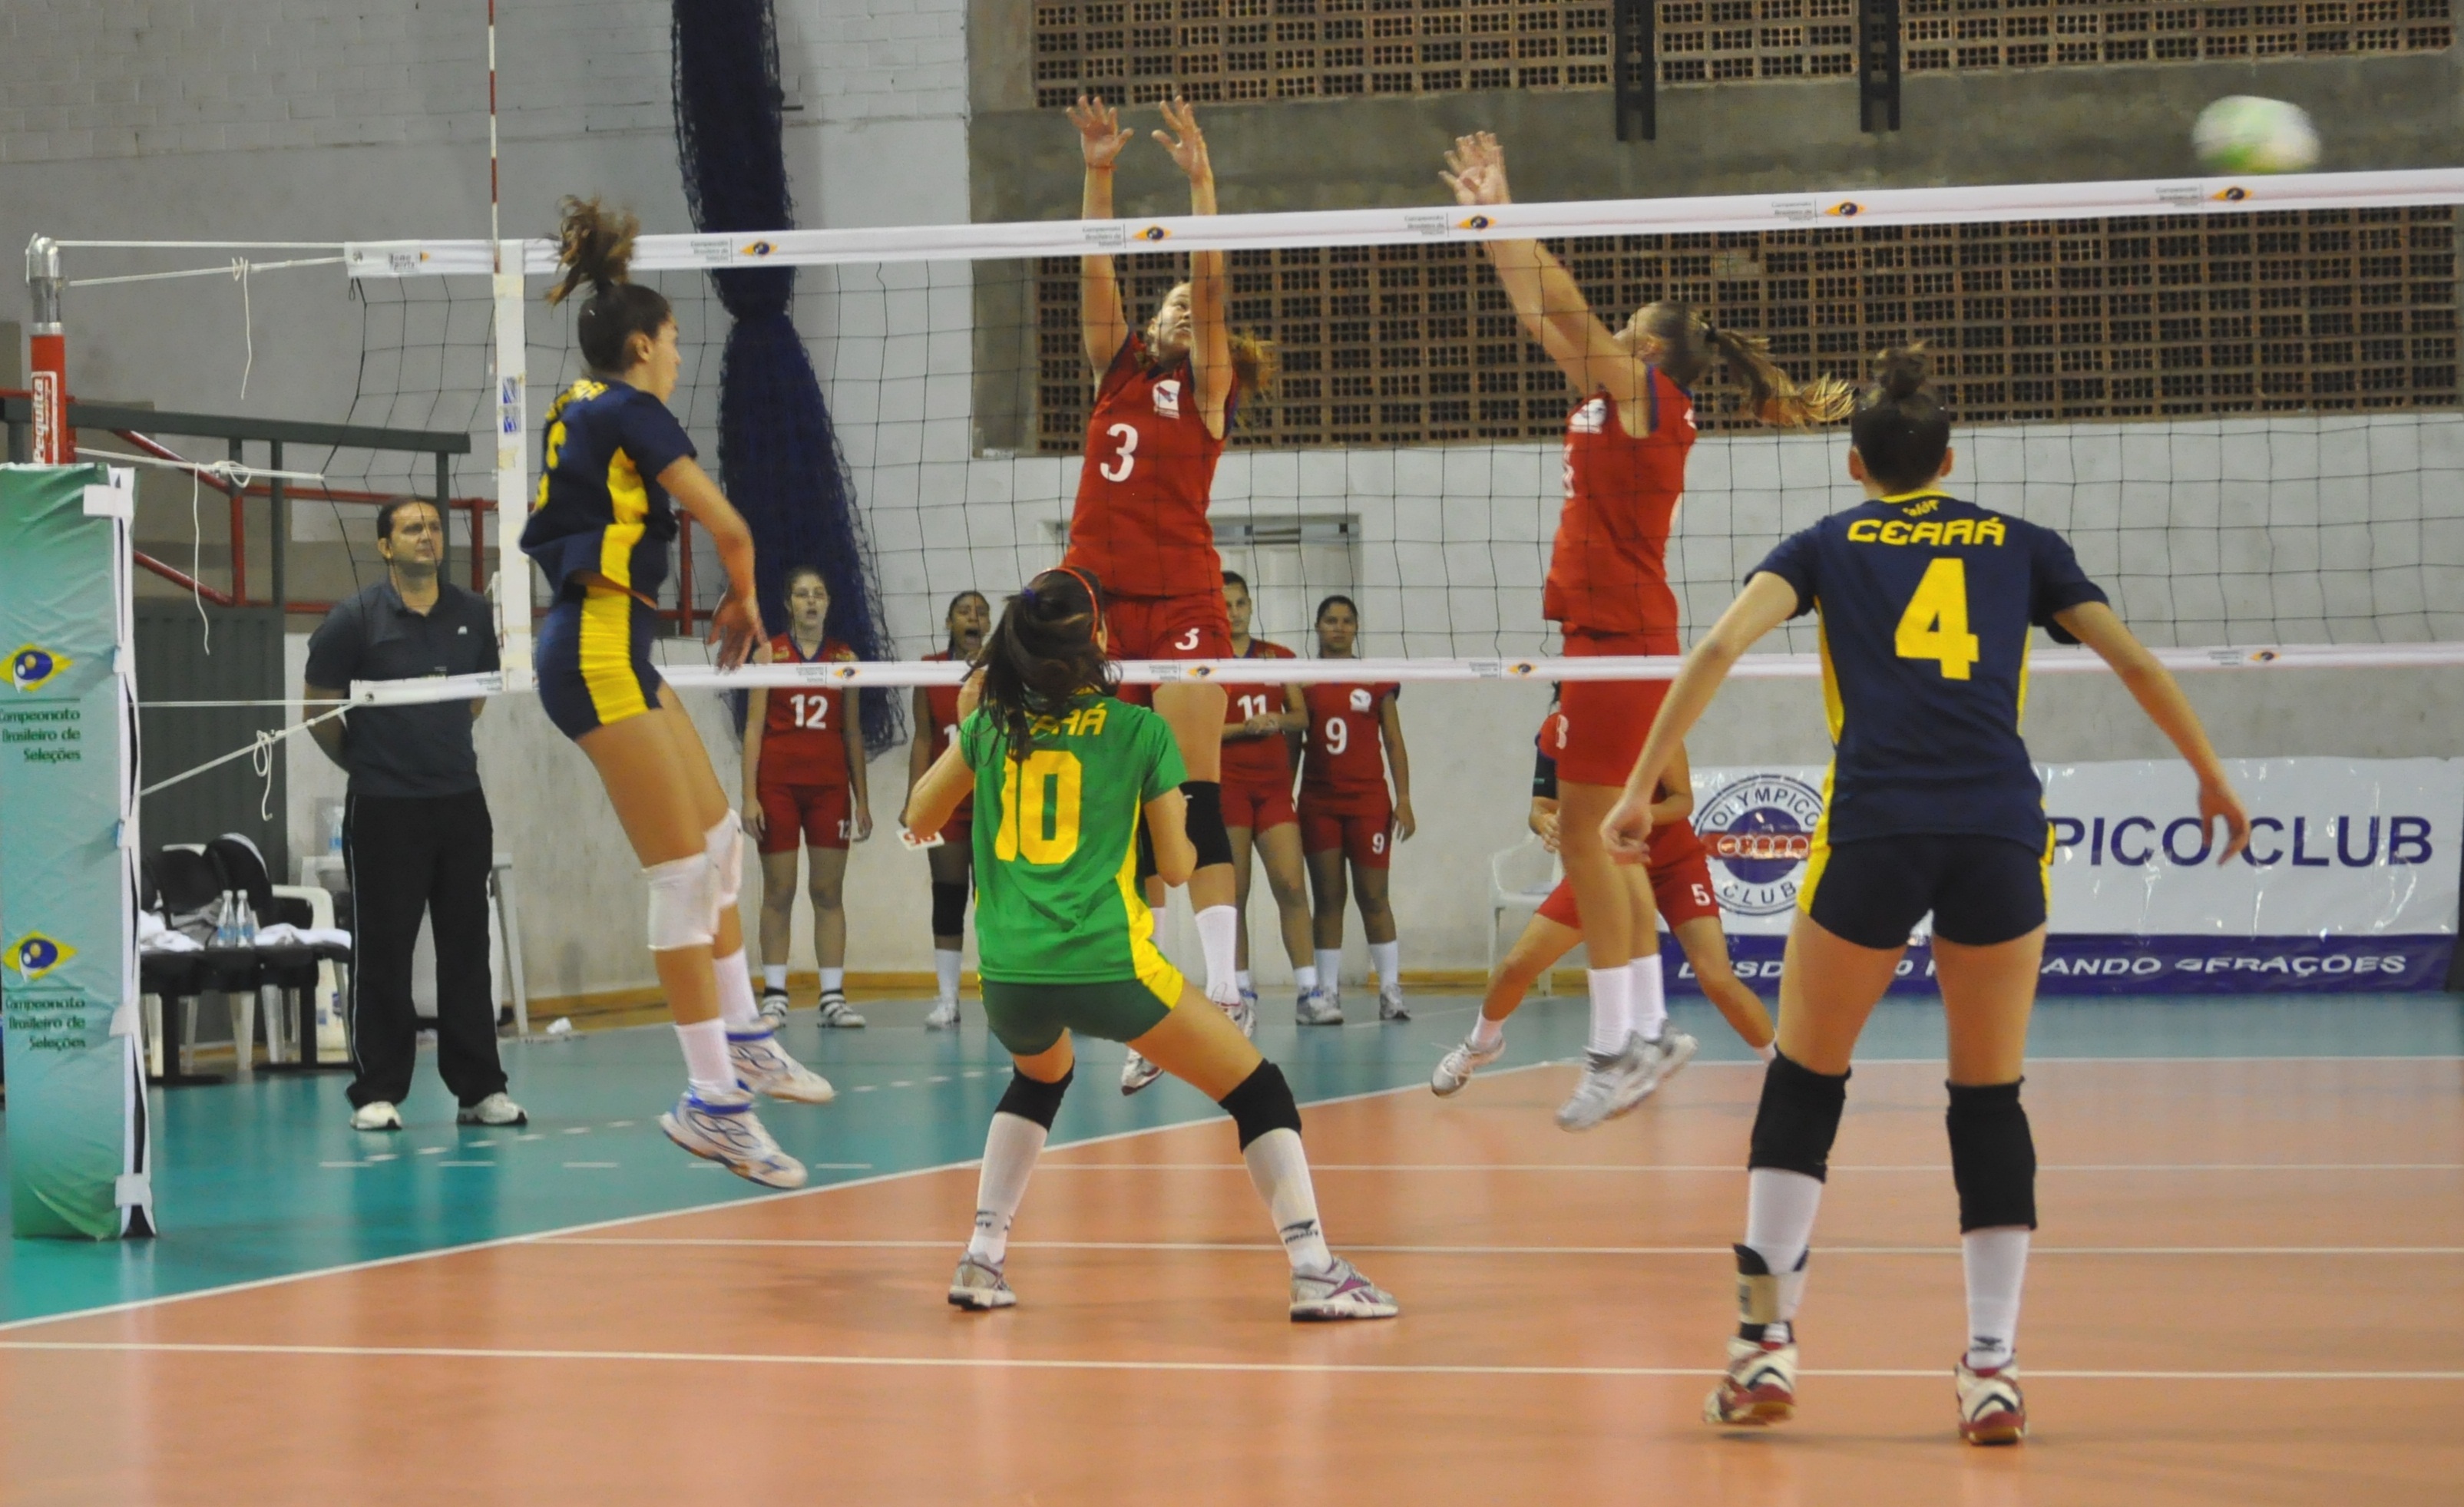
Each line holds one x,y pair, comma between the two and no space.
724,844
680,902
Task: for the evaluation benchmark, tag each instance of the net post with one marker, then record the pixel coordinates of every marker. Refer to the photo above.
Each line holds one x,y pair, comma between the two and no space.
47,347
512,574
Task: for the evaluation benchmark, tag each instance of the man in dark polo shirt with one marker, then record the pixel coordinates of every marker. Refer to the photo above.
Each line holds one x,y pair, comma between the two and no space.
415,831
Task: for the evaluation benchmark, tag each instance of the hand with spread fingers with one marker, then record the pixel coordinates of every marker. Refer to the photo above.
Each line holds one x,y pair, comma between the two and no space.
1100,133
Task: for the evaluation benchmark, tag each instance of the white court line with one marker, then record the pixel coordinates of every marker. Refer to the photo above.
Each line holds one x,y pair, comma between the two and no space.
1715,1167
1827,1251
1219,1367
406,1257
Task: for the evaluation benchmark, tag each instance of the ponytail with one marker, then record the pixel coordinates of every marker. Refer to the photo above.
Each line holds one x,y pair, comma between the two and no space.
595,245
1687,342
1042,655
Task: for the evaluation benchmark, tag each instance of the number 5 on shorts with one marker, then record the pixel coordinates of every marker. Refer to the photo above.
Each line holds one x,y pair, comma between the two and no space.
1935,626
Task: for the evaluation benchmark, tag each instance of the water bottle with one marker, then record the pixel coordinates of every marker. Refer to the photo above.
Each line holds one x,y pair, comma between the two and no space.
226,930
247,928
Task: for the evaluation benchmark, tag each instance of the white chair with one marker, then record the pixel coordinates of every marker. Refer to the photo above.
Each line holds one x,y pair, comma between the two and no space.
1519,879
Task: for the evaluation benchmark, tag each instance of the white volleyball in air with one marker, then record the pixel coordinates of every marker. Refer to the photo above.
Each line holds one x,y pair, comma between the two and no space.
2245,134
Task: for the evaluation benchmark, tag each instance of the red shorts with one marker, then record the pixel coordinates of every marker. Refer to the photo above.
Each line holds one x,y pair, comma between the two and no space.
1682,890
1260,805
959,833
1608,720
1366,834
815,815
1192,628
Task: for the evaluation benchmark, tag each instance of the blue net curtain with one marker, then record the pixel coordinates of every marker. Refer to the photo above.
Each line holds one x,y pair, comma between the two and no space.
778,453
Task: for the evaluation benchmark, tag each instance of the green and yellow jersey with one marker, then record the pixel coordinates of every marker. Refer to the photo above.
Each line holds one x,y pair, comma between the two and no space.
1057,896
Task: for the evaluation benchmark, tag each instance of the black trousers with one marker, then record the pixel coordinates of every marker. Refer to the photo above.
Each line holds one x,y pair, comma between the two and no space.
410,857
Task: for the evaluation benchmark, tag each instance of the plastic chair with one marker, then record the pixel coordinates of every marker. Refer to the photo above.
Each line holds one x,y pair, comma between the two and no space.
1519,879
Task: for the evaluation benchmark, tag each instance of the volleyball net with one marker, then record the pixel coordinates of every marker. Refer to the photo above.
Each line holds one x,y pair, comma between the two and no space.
2237,399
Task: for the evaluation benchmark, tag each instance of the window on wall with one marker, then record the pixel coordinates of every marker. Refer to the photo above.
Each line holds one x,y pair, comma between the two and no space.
1138,52
2149,317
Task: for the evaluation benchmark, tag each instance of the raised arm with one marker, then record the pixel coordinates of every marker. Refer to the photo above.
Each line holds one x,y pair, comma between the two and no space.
2158,694
1766,602
1551,304
1210,334
736,625
1100,140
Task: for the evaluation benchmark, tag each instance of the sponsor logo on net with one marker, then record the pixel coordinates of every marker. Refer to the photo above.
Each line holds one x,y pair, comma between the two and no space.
1759,832
33,668
34,955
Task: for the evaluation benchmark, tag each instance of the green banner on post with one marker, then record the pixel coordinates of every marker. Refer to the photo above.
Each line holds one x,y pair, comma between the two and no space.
78,1161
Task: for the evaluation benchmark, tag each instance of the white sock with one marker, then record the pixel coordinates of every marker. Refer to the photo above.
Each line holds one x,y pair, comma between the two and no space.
1997,1266
1305,978
1612,1008
945,970
834,981
1010,1150
1279,1168
1241,977
1218,937
706,1063
1650,996
774,975
1330,967
1387,957
1487,1032
1780,1207
1768,1050
737,1005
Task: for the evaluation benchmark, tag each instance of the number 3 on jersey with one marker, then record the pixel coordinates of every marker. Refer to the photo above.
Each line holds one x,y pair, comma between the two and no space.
1125,460
1047,789
1935,626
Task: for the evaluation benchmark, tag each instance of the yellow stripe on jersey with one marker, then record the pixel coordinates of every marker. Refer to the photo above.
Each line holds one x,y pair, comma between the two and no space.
1835,712
2019,716
1817,851
1152,969
630,505
605,656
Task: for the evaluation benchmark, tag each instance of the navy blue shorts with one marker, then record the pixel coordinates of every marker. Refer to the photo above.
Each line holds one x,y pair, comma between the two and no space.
593,660
1981,889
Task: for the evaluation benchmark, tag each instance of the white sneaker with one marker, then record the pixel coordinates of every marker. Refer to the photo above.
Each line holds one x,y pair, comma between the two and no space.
1611,1087
494,1110
723,1128
1249,998
774,1006
1318,1007
1137,1073
1390,1006
1661,1060
1243,1013
1339,1292
981,1285
942,1017
1759,1388
1455,1067
764,1066
836,1014
376,1115
1990,1408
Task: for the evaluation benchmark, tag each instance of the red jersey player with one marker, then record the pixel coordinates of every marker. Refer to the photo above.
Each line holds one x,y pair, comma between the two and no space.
1355,732
1139,527
1626,446
804,785
1260,721
1681,883
937,728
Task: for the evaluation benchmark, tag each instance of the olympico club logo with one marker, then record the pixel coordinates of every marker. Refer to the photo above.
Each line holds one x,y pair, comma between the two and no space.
34,955
30,667
1759,831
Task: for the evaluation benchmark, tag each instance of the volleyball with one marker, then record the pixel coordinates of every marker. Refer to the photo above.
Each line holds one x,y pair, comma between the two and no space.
2245,134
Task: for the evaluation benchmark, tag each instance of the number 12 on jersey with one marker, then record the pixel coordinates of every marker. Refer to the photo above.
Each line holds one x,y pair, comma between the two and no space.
1935,626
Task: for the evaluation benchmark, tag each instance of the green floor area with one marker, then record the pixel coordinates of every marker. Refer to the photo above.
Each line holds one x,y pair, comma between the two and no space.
266,1179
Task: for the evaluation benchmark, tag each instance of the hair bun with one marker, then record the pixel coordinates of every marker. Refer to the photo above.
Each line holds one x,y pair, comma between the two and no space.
1903,372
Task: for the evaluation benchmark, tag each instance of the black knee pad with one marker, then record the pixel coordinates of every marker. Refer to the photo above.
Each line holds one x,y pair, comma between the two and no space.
1206,834
1993,1157
1146,852
1798,1119
949,908
1029,1100
1263,1103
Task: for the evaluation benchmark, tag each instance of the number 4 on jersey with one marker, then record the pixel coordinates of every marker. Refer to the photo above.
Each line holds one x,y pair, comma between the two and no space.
1935,626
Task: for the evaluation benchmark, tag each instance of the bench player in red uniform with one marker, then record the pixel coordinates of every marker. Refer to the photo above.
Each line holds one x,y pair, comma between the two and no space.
1259,723
804,787
937,727
1348,817
1162,409
1626,447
